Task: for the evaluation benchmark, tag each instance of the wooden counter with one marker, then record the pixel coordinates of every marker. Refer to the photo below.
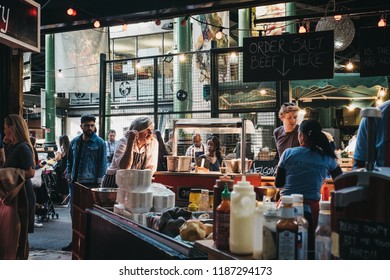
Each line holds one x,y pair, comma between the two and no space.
183,182
214,254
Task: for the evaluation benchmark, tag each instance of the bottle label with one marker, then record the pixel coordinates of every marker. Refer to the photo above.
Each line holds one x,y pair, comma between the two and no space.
286,245
302,243
269,243
322,248
222,230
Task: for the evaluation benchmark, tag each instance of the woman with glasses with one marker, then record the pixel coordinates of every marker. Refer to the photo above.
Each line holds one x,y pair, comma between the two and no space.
286,135
14,219
138,149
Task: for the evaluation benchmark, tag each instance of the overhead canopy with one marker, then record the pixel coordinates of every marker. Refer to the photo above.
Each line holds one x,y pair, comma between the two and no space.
341,91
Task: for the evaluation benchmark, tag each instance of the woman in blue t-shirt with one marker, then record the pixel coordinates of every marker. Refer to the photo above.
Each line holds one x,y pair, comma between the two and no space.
303,169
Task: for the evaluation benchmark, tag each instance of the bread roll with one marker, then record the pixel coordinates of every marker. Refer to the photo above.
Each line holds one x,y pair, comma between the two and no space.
192,230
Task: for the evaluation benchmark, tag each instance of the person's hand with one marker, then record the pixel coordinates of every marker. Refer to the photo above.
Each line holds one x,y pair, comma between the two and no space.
133,133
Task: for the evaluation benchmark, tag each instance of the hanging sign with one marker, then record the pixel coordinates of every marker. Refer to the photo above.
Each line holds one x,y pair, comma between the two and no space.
375,51
289,57
20,23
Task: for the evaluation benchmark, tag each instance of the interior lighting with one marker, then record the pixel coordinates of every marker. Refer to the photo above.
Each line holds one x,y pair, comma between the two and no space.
349,66
219,34
124,27
96,24
182,57
302,29
60,74
351,107
183,22
379,102
71,12
158,22
382,21
337,17
138,65
382,92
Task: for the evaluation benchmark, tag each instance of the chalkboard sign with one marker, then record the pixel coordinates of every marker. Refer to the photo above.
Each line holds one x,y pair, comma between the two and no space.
361,240
289,57
265,167
375,51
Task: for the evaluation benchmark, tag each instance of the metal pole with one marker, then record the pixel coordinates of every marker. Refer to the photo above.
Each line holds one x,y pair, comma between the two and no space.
155,74
50,92
102,96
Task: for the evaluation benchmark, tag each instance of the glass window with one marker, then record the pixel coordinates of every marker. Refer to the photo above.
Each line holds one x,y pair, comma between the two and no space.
124,48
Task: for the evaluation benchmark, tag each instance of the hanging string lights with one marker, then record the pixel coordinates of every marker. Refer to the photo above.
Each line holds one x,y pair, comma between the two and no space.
71,12
382,22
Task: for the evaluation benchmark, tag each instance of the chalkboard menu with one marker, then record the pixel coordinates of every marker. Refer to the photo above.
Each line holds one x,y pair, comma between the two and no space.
361,240
289,57
375,51
265,167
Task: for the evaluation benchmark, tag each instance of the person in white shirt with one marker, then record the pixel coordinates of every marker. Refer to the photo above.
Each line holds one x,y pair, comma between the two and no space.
197,148
137,149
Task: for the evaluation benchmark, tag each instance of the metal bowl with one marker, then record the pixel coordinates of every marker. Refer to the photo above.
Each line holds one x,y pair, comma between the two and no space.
104,197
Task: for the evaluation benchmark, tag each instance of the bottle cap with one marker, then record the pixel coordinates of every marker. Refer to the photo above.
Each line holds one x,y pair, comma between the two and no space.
298,198
226,192
286,199
325,205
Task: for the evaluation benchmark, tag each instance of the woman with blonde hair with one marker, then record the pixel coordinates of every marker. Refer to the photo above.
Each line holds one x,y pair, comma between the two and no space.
15,222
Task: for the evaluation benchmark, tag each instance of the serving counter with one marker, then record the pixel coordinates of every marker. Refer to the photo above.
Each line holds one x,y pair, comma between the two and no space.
183,182
100,234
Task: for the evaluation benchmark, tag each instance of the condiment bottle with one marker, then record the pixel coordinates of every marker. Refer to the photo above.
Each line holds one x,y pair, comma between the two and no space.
323,232
287,231
242,208
222,221
194,197
258,231
204,204
303,227
271,218
218,189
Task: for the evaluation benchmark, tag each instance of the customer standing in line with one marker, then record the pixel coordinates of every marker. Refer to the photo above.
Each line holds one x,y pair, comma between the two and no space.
110,145
19,154
137,149
87,159
60,167
286,135
303,169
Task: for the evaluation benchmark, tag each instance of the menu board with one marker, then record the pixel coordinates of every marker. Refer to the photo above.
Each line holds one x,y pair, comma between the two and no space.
361,240
289,57
374,51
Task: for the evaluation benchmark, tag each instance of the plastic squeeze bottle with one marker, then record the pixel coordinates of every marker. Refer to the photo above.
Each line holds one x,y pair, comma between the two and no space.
222,221
242,209
303,226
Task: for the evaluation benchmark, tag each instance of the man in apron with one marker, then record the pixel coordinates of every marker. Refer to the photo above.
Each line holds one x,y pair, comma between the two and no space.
197,148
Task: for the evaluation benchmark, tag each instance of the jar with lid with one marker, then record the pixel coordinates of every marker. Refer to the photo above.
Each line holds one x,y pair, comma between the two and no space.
271,218
323,233
194,197
204,204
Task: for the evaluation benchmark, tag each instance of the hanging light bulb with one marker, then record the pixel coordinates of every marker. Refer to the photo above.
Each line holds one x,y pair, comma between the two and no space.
382,21
182,57
183,22
302,29
337,17
157,22
349,65
124,27
96,24
382,92
72,12
138,65
219,34
60,74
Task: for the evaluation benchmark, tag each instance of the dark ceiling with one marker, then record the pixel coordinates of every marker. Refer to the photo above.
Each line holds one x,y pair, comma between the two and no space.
114,12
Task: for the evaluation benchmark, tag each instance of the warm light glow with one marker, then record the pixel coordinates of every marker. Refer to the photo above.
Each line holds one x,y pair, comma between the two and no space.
382,92
71,12
337,17
158,22
219,35
96,24
379,102
233,55
138,65
382,22
263,91
124,27
60,74
182,57
349,66
302,29
351,107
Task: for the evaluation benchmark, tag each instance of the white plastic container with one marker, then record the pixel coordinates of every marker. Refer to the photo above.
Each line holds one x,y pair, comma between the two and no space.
242,209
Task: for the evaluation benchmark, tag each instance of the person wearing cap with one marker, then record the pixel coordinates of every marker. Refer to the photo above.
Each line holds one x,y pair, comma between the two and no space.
137,149
286,135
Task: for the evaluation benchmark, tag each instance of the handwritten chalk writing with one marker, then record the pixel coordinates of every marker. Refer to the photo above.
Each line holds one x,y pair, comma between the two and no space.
363,240
288,57
265,168
4,18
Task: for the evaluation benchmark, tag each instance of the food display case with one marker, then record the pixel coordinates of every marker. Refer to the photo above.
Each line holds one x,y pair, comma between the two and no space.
183,182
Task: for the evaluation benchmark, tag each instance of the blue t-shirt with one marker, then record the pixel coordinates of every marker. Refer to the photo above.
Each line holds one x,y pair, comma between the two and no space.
382,135
306,171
